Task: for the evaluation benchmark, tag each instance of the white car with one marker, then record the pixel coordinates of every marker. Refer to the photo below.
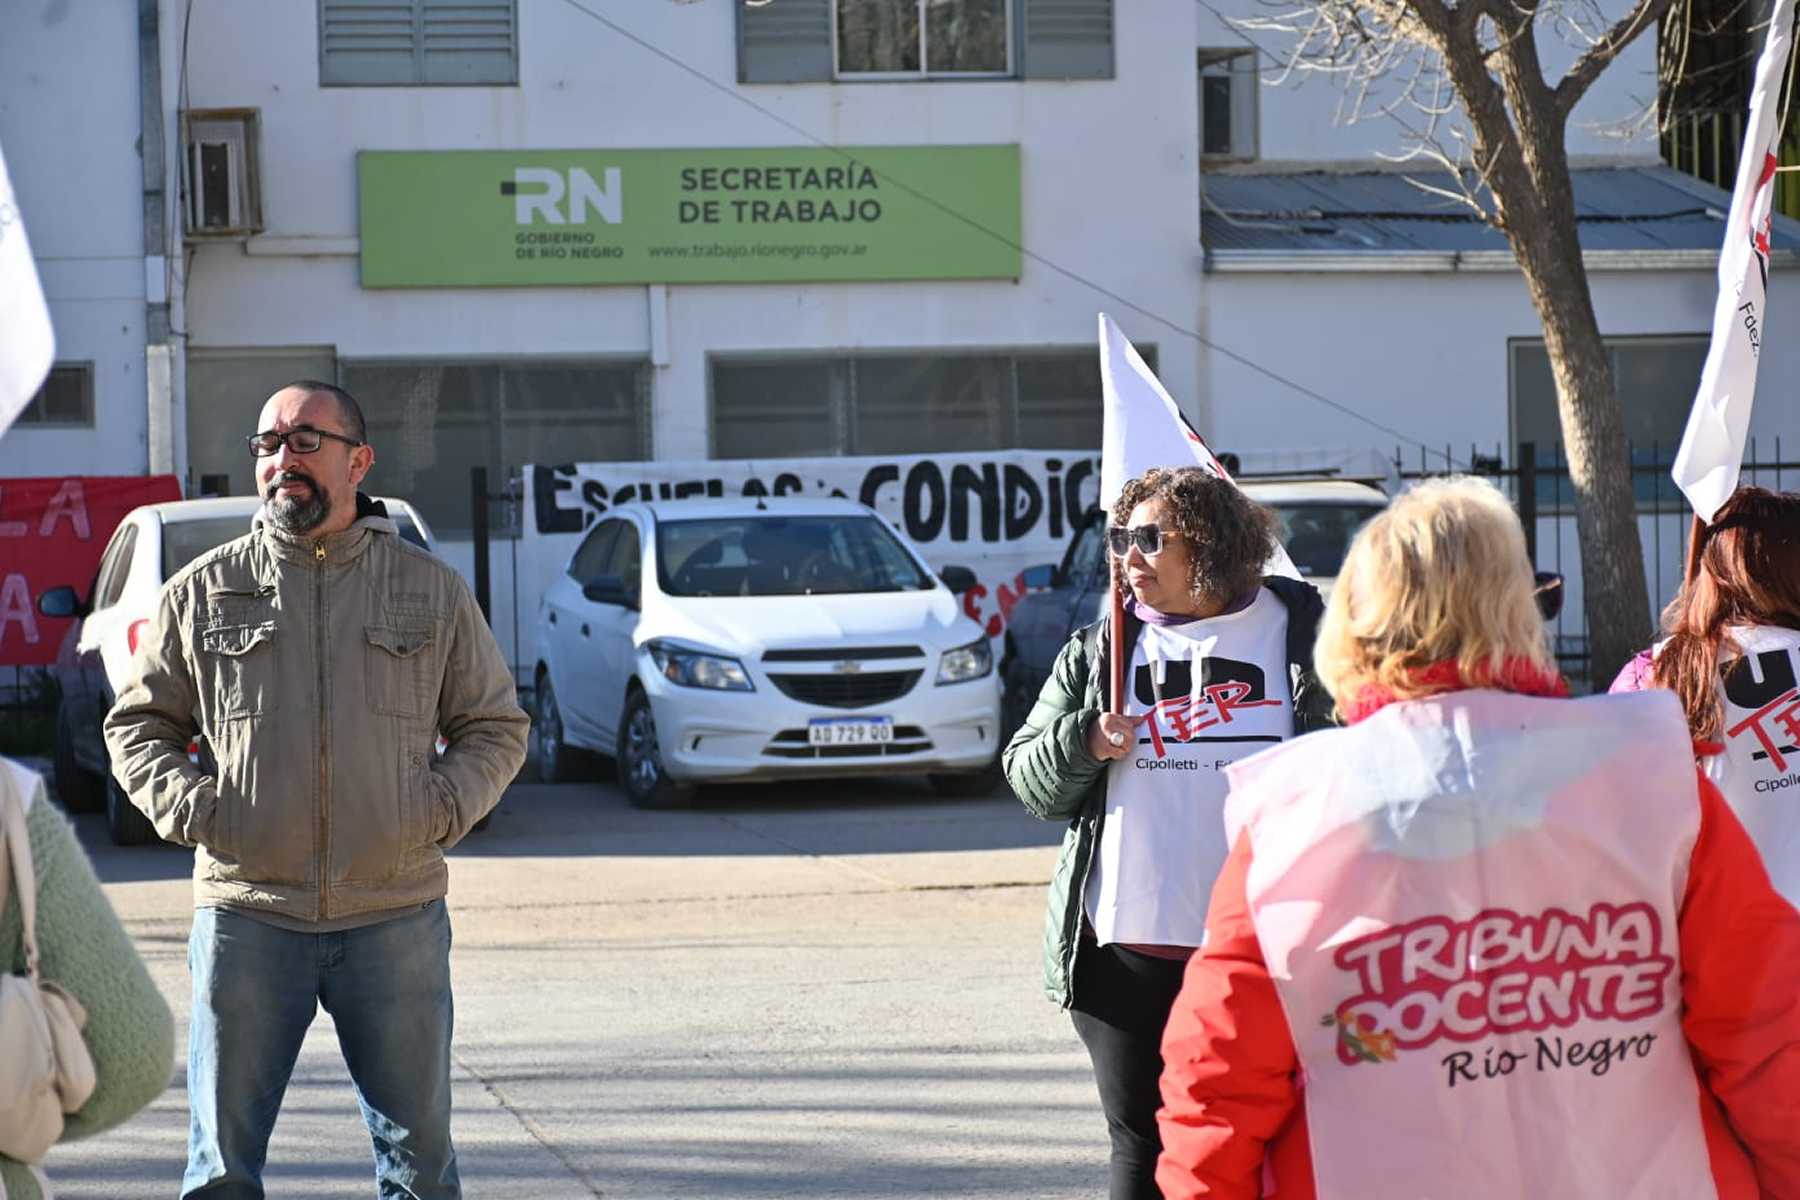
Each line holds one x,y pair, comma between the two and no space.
715,640
152,543
1318,517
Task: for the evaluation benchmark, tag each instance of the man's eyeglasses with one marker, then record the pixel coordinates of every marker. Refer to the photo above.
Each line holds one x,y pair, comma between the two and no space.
268,443
1147,538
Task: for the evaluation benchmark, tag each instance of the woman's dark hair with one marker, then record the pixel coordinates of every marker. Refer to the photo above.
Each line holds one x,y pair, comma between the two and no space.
1228,535
1749,575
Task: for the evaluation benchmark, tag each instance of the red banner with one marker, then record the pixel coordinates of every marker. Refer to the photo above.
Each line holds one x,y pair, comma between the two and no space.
52,532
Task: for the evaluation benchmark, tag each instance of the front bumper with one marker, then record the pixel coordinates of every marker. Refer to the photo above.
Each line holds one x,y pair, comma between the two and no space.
715,736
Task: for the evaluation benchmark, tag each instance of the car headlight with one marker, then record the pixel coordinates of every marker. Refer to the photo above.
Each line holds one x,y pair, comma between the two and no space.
966,662
695,668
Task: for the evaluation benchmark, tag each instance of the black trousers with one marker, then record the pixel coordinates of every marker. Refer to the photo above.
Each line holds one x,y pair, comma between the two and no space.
1122,1002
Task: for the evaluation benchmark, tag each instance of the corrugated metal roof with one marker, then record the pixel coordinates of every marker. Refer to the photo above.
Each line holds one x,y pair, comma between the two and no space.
1647,208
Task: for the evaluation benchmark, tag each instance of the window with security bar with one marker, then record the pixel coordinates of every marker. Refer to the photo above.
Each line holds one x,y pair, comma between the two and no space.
418,43
910,38
431,422
907,402
1227,90
857,41
66,401
1655,378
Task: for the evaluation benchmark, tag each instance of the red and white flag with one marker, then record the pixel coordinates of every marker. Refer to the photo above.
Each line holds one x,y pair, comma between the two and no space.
1144,428
1706,465
27,345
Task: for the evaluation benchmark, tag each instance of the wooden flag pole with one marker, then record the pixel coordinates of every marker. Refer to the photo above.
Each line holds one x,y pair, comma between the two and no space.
1695,534
1116,649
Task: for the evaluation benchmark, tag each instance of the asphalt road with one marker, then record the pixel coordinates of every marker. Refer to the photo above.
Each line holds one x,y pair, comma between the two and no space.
827,991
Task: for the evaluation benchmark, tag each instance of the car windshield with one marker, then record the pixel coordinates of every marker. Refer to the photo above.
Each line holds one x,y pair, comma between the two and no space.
782,556
1317,534
184,541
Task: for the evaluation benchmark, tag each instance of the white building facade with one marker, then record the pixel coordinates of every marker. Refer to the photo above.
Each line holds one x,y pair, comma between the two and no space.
346,190
70,127
1093,109
1040,159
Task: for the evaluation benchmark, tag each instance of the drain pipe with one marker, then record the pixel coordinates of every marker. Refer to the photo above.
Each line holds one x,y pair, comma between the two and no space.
159,343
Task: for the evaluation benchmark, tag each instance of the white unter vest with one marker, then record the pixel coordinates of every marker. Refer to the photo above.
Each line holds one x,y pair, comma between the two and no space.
1204,694
1759,773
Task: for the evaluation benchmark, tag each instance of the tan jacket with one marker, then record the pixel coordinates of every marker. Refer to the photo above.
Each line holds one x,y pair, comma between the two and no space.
319,674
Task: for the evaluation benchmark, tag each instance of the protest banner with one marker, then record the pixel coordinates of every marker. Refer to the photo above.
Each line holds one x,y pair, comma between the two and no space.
995,513
52,533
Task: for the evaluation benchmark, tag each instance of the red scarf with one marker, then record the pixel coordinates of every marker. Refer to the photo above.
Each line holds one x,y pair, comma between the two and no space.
1515,675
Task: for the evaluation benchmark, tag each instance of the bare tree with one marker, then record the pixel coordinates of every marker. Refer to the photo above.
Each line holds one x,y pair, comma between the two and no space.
1466,81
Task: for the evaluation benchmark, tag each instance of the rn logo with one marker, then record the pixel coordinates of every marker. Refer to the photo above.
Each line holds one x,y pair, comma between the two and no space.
584,195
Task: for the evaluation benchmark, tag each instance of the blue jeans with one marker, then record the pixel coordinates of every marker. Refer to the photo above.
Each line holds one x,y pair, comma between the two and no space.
256,988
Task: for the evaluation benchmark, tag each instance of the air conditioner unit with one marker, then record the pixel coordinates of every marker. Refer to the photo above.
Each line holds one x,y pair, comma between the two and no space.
219,184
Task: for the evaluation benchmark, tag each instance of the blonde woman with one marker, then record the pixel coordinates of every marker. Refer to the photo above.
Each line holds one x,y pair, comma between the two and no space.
1513,944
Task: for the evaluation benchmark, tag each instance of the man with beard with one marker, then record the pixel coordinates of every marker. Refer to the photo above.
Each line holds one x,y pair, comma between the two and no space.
319,656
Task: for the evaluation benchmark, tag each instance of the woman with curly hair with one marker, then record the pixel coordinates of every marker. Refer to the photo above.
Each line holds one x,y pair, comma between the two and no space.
1220,665
1732,656
1486,941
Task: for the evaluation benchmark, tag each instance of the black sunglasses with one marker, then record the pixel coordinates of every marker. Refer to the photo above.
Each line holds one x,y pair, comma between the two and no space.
1147,538
304,440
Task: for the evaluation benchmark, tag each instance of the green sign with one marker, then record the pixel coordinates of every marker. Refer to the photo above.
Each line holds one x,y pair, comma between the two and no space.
512,218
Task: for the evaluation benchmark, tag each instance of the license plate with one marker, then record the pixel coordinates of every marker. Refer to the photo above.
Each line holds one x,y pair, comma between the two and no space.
850,731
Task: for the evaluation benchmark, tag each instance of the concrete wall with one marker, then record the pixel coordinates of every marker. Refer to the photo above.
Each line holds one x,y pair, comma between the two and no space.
1426,353
69,128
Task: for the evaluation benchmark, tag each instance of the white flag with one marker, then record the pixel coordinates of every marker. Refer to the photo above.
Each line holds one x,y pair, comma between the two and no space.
1706,466
1143,428
26,343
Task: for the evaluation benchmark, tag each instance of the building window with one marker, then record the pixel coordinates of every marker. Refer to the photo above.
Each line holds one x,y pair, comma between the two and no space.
1655,378
1227,105
402,43
902,38
817,41
907,402
66,401
222,184
431,422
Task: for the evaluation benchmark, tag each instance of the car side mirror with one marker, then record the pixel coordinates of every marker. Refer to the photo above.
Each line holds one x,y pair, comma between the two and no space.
61,602
1549,594
608,589
958,579
1042,576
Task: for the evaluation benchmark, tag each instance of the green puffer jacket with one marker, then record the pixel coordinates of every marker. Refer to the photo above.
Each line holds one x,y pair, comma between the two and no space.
83,947
1050,770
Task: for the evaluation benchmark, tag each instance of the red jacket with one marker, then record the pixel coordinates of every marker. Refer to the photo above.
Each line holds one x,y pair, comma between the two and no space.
1234,1125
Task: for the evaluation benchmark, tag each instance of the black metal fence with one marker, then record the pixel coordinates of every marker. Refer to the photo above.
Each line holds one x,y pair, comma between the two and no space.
1536,479
496,514
28,698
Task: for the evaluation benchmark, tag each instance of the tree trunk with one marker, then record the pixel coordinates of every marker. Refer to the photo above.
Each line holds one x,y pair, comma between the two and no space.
1534,198
1544,240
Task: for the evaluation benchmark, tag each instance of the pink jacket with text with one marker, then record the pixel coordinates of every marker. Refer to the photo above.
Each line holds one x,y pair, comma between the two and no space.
1488,945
